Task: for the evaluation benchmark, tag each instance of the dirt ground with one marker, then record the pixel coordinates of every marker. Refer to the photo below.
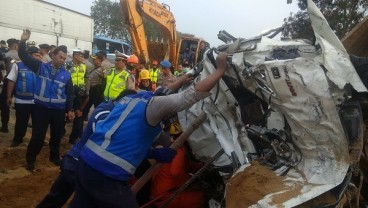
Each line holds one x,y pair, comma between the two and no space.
20,188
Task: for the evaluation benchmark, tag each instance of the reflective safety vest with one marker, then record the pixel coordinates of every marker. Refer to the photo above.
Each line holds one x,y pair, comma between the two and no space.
115,83
77,73
154,74
122,140
50,88
26,82
100,113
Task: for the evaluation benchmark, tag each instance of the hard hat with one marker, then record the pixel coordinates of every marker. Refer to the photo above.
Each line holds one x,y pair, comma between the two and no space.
133,59
175,128
165,64
144,74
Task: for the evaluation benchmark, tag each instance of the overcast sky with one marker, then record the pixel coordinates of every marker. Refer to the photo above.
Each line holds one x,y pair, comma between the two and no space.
205,18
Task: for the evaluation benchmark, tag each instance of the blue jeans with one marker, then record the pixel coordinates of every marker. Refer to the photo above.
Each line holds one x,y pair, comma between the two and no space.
95,190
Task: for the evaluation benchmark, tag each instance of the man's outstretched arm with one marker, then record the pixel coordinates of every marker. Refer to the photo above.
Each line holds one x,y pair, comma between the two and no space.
160,107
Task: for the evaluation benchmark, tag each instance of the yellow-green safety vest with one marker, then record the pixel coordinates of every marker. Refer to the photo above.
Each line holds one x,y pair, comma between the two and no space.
154,75
115,84
77,73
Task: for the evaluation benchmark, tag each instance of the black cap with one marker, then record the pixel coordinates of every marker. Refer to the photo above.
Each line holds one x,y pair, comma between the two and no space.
2,42
12,41
44,46
33,49
102,53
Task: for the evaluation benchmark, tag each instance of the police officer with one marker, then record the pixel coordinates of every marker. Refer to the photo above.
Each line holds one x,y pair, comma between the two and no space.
78,73
95,84
166,77
118,78
106,64
53,97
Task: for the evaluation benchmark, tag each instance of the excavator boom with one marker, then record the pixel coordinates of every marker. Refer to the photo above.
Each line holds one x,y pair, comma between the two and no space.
160,14
155,12
136,30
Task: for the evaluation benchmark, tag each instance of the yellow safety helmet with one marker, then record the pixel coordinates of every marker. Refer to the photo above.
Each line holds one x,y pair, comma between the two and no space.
144,74
175,128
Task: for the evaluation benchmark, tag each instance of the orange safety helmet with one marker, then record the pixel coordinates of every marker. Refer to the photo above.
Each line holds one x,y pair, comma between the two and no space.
133,59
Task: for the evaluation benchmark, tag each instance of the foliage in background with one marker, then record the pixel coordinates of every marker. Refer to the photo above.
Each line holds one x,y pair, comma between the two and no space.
342,15
109,20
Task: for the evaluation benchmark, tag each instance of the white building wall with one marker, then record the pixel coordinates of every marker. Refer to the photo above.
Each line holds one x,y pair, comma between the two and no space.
49,23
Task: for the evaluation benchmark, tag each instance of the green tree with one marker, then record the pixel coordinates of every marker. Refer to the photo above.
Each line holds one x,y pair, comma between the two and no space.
342,15
109,20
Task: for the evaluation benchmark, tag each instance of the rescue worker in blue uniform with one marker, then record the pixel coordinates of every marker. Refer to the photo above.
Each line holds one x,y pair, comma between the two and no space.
63,186
23,80
122,140
53,97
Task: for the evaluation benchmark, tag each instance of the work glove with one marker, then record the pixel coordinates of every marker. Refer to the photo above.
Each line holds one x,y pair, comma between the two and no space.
162,155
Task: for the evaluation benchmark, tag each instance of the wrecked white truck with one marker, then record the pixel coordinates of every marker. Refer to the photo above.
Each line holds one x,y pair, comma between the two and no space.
287,117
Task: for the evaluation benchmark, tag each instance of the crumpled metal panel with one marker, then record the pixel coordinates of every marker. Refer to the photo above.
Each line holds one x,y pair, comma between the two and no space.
303,92
221,129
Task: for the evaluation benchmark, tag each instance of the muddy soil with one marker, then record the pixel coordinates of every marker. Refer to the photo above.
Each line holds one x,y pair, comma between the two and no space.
20,188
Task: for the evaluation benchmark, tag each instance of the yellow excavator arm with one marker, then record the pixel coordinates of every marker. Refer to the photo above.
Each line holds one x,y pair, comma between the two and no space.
134,10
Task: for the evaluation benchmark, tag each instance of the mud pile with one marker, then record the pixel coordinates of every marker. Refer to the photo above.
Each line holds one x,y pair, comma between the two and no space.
249,186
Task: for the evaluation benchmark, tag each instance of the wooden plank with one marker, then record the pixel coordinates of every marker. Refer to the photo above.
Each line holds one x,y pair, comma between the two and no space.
356,41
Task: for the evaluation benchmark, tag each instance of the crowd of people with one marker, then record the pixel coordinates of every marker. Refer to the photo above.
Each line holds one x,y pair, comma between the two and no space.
129,127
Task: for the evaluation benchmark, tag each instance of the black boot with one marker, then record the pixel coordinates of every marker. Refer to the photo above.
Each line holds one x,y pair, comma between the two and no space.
30,162
16,143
